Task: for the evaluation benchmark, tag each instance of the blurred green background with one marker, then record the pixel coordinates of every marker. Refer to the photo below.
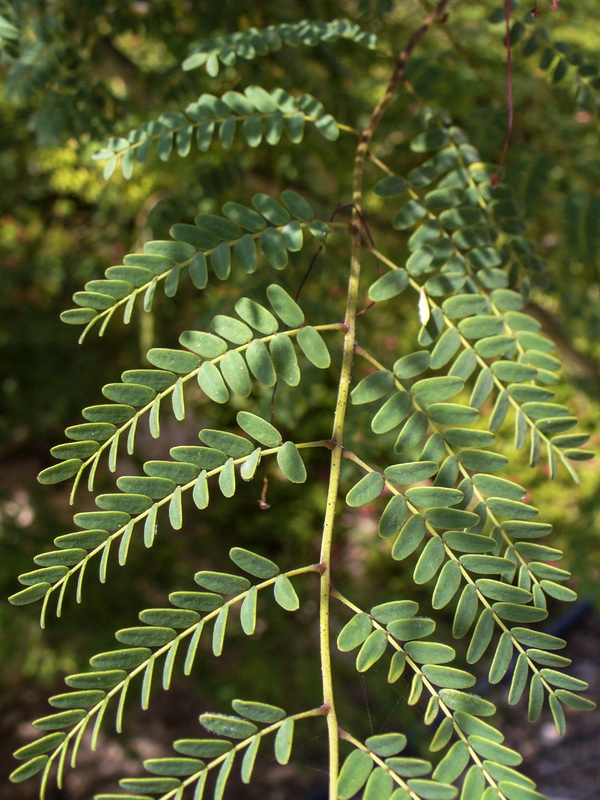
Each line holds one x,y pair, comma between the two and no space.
77,73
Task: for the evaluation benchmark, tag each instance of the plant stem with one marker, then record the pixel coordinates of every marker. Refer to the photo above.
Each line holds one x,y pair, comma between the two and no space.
344,390
328,525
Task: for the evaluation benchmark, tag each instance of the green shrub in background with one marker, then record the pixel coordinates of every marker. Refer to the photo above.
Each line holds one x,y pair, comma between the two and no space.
355,320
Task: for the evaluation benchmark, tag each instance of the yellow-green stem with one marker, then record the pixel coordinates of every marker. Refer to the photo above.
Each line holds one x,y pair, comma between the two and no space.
328,525
344,391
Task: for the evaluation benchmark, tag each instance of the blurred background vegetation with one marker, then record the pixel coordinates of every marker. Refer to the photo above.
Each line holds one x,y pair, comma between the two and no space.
76,73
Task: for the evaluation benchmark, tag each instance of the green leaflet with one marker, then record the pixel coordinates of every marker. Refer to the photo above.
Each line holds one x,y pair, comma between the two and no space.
367,489
409,215
152,636
109,520
63,719
391,186
511,508
487,565
258,712
120,659
232,727
498,487
249,759
273,246
469,542
231,329
254,564
221,582
39,746
178,361
174,618
288,311
429,561
173,766
379,785
77,449
229,443
283,741
465,437
314,348
373,387
430,652
250,465
394,515
428,496
354,774
178,471
445,348
465,305
412,433
60,472
386,744
453,764
480,639
411,472
395,609
470,704
290,462
474,784
204,344
447,585
371,650
164,784
448,677
105,679
155,488
413,628
436,390
197,601
495,751
482,460
212,384
413,364
261,363
285,594
285,360
248,612
409,538
397,666
452,414
389,285
391,413
28,769
259,429
201,457
451,518
156,379
354,632
409,767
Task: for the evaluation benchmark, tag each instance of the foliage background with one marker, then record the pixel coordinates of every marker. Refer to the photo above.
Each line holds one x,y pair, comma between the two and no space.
99,68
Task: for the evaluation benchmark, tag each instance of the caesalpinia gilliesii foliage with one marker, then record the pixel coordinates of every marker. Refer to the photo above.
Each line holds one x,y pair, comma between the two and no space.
479,362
